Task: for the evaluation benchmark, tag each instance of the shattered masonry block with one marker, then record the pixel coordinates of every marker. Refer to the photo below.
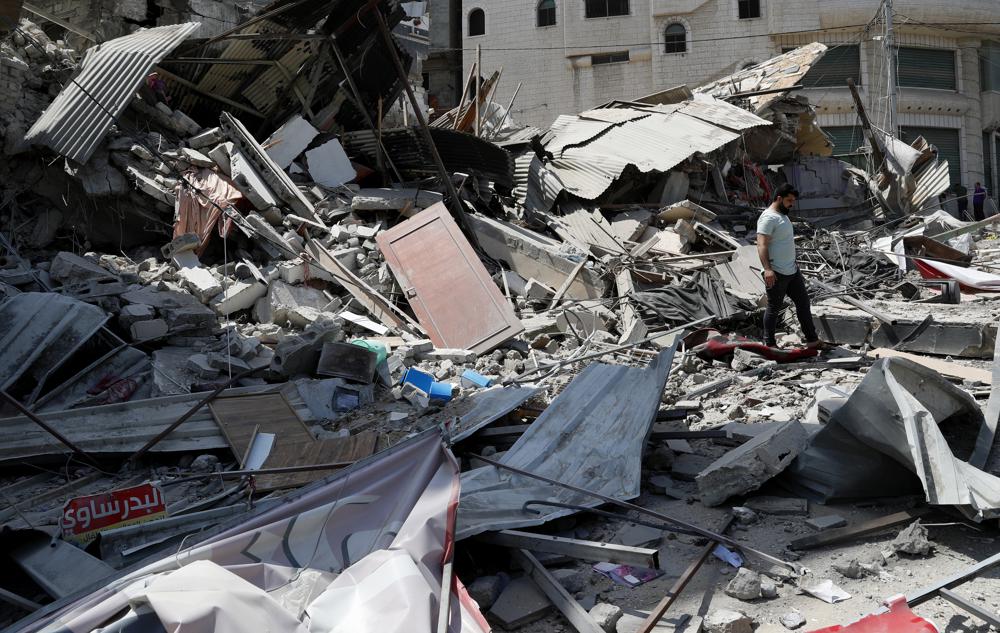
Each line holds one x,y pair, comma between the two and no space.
211,136
200,282
238,296
146,330
134,312
142,153
727,621
196,158
151,188
69,268
747,467
198,363
285,299
535,289
220,156
223,362
181,243
606,616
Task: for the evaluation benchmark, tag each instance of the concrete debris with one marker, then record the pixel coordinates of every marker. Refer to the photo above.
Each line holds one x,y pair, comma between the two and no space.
913,540
746,585
199,296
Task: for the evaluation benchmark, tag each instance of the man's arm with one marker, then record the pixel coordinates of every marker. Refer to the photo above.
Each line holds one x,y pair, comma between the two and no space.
765,259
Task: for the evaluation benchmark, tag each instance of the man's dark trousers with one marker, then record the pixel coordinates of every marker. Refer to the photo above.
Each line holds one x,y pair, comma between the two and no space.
794,287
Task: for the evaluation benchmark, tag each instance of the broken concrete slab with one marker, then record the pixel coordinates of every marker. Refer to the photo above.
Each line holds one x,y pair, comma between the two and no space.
289,140
687,467
284,301
727,621
148,330
779,506
200,282
635,535
68,268
520,603
394,199
606,616
748,467
238,296
533,255
211,136
826,522
196,158
913,540
329,165
485,590
220,156
745,585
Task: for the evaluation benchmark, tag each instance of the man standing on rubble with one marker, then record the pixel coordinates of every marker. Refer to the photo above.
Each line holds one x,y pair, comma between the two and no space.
978,200
776,248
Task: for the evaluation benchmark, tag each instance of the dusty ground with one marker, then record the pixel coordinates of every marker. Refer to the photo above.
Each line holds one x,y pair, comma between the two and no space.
956,547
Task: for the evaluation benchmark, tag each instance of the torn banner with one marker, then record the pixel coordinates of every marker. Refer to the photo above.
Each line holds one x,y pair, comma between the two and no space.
591,436
903,426
360,551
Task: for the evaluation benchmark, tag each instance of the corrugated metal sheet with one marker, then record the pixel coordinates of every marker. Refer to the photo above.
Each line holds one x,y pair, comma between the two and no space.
592,436
588,155
783,71
124,428
588,229
434,264
77,120
40,331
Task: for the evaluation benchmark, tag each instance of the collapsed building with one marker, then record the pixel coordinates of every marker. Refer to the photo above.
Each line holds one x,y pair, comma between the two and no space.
268,362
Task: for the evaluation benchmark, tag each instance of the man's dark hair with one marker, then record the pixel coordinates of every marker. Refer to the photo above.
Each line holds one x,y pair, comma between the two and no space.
785,190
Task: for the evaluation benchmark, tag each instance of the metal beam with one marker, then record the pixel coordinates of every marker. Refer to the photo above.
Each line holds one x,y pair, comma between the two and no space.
574,548
72,28
555,592
953,581
986,616
79,452
23,603
193,86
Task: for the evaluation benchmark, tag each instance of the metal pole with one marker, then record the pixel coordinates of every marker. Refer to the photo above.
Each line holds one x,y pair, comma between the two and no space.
456,204
890,49
479,84
48,429
510,104
170,429
725,540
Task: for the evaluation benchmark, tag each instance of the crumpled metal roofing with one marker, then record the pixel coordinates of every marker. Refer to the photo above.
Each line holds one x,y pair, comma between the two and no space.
783,71
591,436
591,150
77,120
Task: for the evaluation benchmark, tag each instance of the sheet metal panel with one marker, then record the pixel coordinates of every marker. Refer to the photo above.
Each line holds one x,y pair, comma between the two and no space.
435,265
591,436
77,120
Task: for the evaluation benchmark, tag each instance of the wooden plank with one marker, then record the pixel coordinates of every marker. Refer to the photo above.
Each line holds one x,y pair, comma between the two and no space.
567,605
943,367
858,530
294,444
575,548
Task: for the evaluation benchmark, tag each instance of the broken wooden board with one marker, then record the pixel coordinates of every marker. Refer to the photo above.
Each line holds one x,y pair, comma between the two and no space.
294,444
858,530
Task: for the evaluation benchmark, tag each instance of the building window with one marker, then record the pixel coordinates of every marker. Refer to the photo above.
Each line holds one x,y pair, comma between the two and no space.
989,66
477,22
946,140
609,58
605,8
840,63
926,68
675,38
547,13
848,143
748,9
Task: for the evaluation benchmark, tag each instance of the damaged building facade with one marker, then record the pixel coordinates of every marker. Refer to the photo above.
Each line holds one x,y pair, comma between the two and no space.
573,55
278,353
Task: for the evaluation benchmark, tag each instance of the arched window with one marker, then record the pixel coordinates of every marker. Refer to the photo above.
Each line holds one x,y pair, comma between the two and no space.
477,22
675,38
547,13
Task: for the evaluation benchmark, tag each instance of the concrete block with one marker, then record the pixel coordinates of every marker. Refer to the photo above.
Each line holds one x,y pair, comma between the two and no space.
200,282
485,590
606,616
198,363
151,188
826,522
190,317
133,313
329,164
142,153
220,156
745,585
687,467
69,268
196,158
238,296
180,244
223,362
535,289
748,467
523,602
150,329
211,136
290,140
285,301
727,621
454,355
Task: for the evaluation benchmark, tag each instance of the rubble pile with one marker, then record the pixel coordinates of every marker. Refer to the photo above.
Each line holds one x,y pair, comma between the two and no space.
266,360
